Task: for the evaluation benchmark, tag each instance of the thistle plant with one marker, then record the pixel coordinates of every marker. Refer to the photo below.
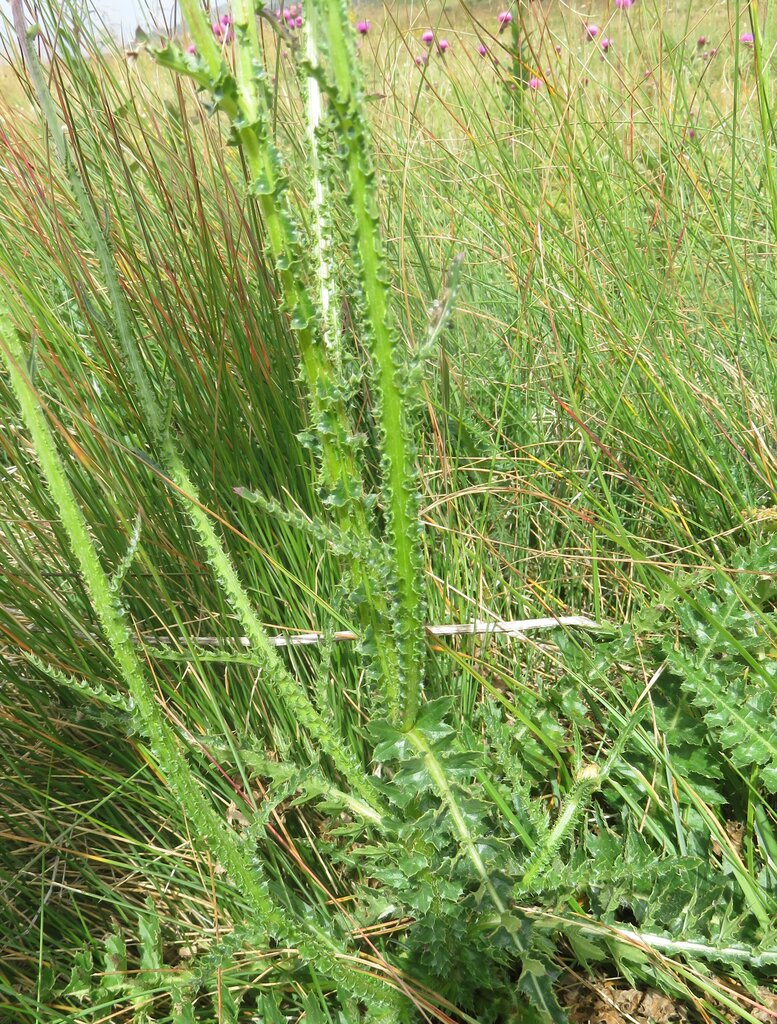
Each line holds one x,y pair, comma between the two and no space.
228,406
394,625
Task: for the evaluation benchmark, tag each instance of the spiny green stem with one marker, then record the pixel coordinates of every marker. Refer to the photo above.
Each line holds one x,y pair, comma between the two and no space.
223,842
290,690
331,326
294,698
437,775
755,956
340,470
587,782
400,476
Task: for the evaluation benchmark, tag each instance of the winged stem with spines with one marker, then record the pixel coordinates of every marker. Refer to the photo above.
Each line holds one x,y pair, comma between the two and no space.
224,844
183,486
244,99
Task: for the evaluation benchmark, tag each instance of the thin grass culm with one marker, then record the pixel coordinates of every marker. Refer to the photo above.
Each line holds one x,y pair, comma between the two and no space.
387,504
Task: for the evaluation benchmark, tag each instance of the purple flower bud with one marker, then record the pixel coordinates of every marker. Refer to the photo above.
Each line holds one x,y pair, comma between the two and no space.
747,38
701,42
299,21
623,4
605,43
535,83
483,50
592,31
504,17
223,29
191,48
428,36
443,45
363,27
558,49
422,58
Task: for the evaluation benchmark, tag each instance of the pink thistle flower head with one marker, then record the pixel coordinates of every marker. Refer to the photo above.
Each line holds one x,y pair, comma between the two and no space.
504,17
191,48
222,30
592,31
299,21
623,5
747,38
443,45
427,36
557,48
422,58
701,42
605,43
714,51
535,83
363,27
483,50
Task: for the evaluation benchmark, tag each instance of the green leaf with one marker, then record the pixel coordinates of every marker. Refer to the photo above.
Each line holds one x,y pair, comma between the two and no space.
739,715
115,962
150,940
536,983
390,743
80,985
431,719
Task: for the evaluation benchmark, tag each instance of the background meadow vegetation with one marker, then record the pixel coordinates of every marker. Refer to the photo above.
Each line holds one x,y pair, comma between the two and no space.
577,248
